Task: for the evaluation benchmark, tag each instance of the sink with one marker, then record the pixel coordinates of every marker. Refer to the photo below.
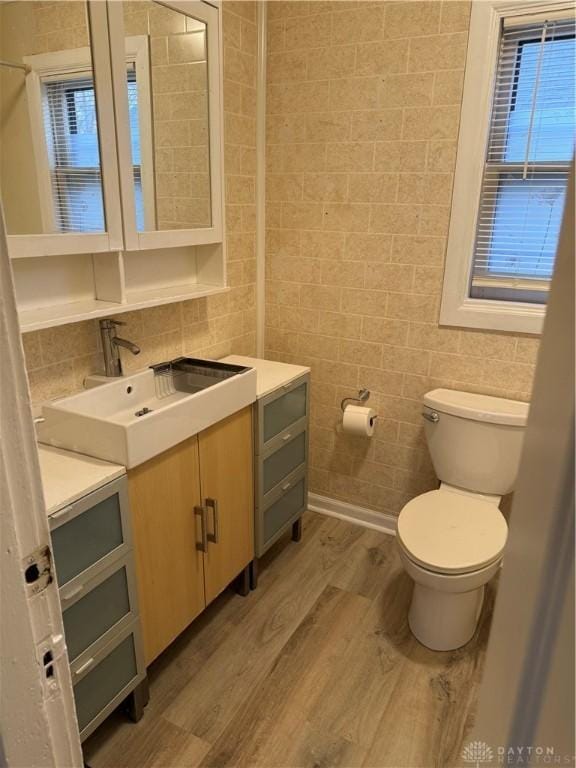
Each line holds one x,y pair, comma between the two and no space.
134,418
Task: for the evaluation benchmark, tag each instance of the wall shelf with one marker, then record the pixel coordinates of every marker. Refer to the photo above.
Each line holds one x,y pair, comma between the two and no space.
61,314
155,297
48,317
69,289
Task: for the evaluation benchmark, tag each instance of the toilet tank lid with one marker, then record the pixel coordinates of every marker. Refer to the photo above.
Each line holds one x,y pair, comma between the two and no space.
469,405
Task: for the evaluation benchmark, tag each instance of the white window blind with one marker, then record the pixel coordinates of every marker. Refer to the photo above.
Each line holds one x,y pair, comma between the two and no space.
71,131
134,117
530,147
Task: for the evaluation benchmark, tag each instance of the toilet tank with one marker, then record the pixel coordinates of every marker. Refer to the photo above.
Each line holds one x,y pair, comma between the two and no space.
474,440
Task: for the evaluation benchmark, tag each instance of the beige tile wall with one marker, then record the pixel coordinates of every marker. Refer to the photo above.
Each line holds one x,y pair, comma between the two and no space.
363,113
58,359
362,121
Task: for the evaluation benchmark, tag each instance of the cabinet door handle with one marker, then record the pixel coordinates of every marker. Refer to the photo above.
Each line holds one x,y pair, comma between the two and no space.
60,514
286,486
84,666
202,545
66,598
287,437
212,504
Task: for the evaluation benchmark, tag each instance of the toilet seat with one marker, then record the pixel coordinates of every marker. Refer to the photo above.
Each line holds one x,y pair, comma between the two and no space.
451,533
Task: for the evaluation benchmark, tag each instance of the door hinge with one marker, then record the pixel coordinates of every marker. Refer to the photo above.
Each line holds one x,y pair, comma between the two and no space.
37,569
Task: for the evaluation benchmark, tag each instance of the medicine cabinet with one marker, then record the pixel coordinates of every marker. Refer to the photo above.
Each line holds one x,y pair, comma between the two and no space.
111,155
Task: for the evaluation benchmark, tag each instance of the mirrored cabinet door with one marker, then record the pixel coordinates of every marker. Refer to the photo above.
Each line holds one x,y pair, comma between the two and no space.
58,165
166,70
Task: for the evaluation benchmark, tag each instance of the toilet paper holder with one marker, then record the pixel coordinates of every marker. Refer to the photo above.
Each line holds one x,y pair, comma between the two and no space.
363,395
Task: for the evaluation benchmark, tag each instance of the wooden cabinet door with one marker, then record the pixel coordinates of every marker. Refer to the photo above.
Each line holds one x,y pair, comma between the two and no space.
163,495
226,477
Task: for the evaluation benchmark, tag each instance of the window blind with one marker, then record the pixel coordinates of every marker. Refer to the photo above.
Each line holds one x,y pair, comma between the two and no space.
71,131
530,147
134,118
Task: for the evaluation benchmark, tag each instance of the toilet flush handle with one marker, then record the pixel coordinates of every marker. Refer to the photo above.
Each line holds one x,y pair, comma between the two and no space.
432,416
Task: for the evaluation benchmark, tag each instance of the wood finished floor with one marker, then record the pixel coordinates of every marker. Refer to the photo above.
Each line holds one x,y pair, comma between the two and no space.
315,668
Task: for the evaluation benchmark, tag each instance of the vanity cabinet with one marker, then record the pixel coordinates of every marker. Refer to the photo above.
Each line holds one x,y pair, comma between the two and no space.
112,160
92,549
226,480
281,461
164,498
193,525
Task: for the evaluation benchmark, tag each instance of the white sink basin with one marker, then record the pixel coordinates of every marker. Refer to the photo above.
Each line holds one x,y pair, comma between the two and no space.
103,421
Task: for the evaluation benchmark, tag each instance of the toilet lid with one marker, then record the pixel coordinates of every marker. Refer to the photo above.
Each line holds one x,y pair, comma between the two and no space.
449,532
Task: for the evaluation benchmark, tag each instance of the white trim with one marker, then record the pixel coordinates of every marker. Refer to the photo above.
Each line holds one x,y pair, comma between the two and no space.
352,513
41,162
261,180
154,239
482,59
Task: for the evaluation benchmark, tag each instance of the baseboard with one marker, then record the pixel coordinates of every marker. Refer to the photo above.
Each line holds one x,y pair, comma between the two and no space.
377,521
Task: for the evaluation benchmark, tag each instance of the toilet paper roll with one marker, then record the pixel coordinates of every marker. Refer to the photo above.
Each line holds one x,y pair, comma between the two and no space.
358,420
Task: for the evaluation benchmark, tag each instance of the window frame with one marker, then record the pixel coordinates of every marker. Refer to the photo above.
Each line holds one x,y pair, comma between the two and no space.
457,308
68,65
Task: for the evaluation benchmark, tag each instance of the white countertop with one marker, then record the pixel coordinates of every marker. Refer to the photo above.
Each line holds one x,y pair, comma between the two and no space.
67,476
270,375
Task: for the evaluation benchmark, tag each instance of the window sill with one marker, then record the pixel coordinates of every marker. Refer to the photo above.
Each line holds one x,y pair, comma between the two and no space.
513,317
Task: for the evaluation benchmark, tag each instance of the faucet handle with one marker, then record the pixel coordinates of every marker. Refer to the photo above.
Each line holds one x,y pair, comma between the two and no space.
110,323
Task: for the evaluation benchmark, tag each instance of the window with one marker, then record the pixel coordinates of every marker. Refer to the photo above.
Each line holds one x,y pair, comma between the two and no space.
65,132
71,134
503,242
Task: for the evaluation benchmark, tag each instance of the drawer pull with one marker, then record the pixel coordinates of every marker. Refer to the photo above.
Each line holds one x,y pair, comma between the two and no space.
66,598
84,667
286,486
61,513
287,437
202,545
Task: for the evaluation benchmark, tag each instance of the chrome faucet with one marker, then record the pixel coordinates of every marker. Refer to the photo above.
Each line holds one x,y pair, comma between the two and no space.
111,346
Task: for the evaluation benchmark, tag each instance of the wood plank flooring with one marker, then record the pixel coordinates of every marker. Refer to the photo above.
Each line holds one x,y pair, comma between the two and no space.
316,668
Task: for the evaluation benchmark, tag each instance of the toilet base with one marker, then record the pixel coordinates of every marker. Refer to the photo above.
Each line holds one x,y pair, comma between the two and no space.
444,621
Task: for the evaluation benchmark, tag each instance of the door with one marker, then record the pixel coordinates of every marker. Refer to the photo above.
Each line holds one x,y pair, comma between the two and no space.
226,477
164,497
36,708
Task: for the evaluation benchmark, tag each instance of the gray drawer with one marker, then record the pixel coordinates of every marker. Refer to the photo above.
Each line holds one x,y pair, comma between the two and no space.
282,409
102,685
284,507
93,612
93,531
277,466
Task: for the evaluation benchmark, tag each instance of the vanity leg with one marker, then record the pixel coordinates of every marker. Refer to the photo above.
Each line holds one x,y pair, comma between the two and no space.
243,582
137,700
297,530
254,573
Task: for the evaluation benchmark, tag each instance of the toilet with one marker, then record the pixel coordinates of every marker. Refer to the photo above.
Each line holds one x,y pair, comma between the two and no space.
452,540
